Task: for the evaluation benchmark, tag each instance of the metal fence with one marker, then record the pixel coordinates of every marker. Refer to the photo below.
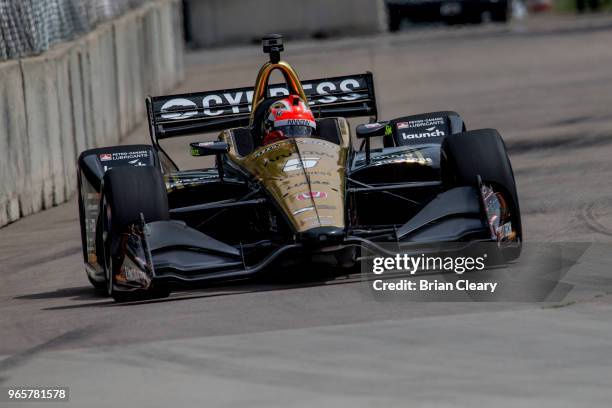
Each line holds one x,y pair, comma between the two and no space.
29,27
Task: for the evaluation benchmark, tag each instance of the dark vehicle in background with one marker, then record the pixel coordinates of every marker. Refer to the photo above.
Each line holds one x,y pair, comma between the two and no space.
447,11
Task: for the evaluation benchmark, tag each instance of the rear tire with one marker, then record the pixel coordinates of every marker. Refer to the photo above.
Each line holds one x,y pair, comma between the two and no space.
129,192
482,152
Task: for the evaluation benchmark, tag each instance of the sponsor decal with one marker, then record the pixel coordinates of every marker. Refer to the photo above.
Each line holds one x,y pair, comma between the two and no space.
271,147
277,158
319,173
429,132
176,181
312,194
397,155
326,87
139,154
238,101
295,122
305,183
177,109
301,210
421,123
132,158
318,153
388,130
401,157
297,164
136,162
372,125
322,220
310,173
318,142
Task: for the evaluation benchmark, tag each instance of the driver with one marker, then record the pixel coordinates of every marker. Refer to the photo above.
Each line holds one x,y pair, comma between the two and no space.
288,117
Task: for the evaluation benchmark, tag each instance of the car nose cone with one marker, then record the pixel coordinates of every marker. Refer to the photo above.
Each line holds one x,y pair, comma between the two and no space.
322,236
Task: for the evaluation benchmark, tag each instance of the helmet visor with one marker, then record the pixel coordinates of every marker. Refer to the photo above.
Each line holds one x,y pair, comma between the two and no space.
296,131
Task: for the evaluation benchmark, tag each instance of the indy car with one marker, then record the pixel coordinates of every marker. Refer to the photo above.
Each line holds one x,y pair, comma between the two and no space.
147,226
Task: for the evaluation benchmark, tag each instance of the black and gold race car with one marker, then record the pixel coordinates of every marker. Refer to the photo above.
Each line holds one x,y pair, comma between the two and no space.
147,226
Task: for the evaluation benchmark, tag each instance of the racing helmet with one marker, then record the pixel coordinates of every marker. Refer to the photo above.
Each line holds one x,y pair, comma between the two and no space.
288,117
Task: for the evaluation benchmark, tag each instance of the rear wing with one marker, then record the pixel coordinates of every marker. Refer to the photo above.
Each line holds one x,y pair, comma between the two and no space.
183,114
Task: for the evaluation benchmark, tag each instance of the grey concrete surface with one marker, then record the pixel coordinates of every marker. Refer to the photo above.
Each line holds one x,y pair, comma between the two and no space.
547,86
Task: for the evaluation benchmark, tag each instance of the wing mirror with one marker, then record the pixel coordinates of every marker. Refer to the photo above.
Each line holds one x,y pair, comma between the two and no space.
216,147
208,148
371,129
368,130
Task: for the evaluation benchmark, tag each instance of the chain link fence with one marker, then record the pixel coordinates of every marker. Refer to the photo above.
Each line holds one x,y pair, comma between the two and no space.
29,27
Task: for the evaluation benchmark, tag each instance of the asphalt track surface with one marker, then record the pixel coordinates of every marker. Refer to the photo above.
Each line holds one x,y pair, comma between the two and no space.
546,85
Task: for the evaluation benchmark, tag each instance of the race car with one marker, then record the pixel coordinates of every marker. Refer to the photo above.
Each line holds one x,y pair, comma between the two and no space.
148,226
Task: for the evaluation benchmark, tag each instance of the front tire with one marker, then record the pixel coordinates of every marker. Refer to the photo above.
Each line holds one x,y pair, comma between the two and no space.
99,287
129,192
482,153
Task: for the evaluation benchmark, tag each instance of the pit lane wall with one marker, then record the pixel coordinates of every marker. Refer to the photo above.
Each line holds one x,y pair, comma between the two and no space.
81,94
220,22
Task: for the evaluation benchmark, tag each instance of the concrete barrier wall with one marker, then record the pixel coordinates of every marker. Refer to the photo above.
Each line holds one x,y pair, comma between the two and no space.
83,94
13,135
218,22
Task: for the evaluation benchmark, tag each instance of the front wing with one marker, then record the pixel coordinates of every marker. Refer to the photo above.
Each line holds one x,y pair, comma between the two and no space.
172,252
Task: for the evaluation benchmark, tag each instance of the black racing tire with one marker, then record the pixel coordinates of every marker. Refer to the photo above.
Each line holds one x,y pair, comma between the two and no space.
128,192
500,13
99,287
500,17
482,152
394,19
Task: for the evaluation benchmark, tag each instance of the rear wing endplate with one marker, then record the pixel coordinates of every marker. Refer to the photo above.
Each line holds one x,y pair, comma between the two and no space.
184,114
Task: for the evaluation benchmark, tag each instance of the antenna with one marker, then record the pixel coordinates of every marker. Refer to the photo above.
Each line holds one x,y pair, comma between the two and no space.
273,45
